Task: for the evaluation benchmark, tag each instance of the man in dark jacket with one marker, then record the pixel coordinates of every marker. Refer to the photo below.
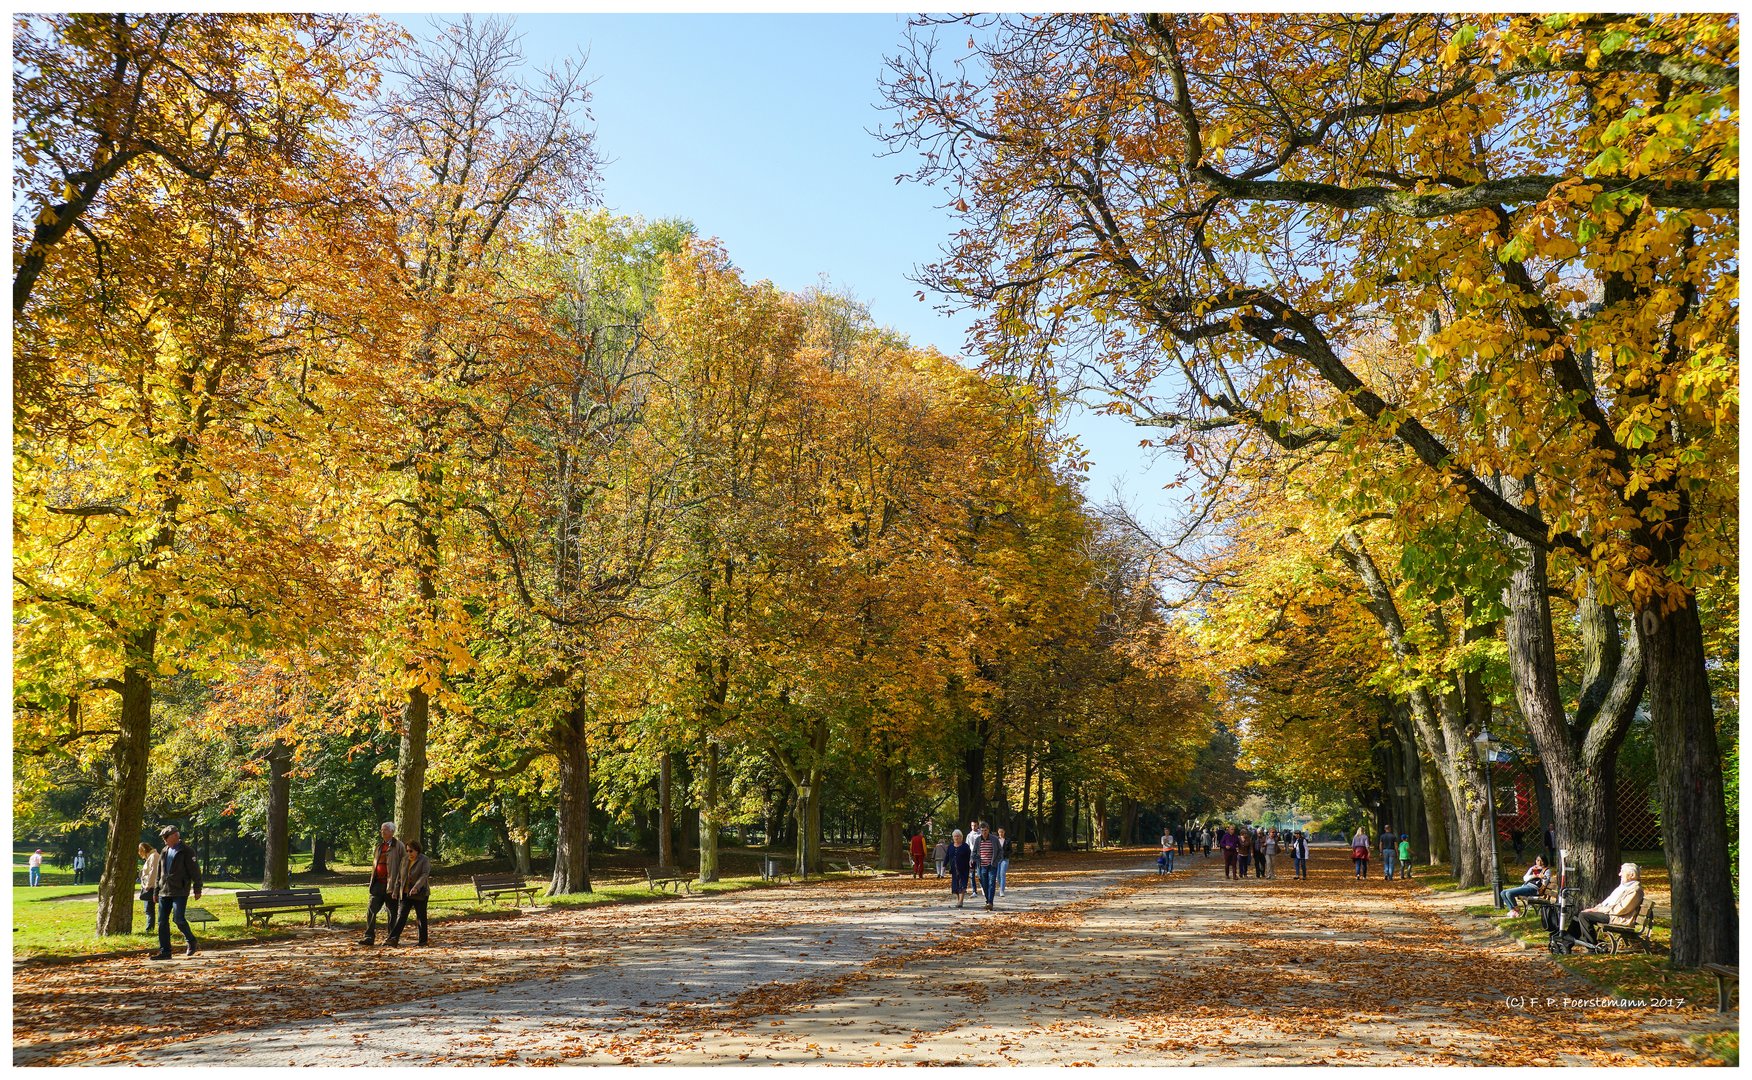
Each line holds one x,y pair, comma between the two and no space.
179,876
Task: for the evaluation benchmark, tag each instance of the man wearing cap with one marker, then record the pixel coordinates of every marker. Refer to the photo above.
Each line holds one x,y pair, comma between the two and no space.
179,875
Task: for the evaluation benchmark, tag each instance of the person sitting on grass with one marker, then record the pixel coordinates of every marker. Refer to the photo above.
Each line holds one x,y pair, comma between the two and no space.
1624,902
1531,882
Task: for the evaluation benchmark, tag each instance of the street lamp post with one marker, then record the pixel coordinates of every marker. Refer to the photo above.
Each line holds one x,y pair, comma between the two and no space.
1488,755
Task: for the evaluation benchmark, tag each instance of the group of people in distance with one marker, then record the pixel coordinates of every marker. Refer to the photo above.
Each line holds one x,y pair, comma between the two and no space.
979,857
1258,847
1395,853
36,867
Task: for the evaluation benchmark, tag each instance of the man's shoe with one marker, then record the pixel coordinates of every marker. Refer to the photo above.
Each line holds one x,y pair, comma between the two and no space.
158,956
191,950
369,941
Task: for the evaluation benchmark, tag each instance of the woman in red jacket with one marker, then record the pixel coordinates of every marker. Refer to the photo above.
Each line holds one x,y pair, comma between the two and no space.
918,854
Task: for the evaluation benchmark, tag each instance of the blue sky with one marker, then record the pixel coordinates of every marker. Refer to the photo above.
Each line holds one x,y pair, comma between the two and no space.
755,127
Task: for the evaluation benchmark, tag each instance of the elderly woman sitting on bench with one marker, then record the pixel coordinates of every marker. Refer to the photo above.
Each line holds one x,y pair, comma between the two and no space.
1624,903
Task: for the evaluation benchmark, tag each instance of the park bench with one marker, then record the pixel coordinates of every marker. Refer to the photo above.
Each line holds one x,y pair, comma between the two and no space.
861,868
1637,928
260,905
200,915
495,886
1724,974
659,877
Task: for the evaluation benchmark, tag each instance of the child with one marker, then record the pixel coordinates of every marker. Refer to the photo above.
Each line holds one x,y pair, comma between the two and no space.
1404,855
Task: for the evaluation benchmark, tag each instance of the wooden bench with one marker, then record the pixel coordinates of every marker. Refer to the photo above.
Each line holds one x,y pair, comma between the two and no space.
1723,975
861,868
657,878
1638,928
260,905
495,886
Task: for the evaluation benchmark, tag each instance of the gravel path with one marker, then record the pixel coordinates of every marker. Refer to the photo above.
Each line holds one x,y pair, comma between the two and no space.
1090,959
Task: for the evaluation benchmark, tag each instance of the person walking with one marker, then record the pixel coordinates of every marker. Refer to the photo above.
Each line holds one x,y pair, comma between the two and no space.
387,876
36,867
1243,852
1299,851
940,853
1259,853
1003,860
960,863
79,867
179,877
918,855
1360,852
149,882
1405,856
1165,857
1226,841
1271,850
985,854
416,891
1389,851
1208,838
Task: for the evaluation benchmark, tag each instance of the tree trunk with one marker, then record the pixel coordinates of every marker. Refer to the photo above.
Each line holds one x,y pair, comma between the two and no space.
665,815
1057,825
709,814
572,840
970,784
1579,758
115,890
1693,813
1435,819
1040,806
517,831
319,851
410,768
892,851
276,873
1099,833
812,827
1439,720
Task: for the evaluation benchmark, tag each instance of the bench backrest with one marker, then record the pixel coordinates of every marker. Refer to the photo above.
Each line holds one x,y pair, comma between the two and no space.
496,881
666,872
262,898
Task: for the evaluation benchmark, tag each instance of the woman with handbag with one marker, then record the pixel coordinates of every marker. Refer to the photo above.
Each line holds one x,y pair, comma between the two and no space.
149,870
416,891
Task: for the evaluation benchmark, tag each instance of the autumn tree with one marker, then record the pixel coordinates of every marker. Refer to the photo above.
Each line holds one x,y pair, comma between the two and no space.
473,156
1213,211
165,515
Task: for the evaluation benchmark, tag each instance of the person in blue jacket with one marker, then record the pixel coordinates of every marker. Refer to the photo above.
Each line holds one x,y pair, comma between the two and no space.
960,867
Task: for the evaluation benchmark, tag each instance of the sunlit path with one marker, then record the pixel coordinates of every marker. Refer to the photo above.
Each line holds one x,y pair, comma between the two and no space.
1094,958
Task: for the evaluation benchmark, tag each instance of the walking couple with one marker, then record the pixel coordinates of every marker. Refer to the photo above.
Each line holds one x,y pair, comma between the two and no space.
401,881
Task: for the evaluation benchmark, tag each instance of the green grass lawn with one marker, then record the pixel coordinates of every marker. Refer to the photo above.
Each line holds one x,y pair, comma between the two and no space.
59,921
